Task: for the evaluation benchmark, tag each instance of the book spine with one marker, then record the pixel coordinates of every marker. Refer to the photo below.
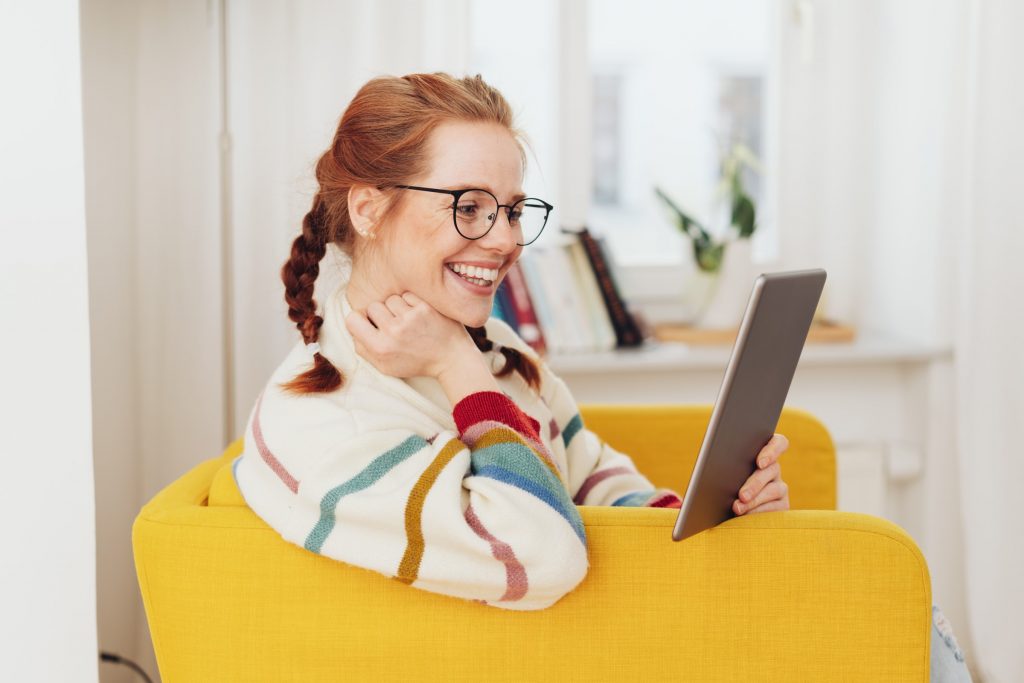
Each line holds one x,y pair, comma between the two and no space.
594,308
500,310
627,332
568,303
522,305
533,272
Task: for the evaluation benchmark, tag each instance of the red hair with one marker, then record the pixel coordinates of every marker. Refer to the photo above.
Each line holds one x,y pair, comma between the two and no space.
381,141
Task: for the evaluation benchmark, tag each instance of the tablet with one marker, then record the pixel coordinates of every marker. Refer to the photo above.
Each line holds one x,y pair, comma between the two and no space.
753,392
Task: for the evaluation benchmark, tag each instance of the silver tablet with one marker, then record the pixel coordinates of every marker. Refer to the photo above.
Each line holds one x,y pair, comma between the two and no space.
757,379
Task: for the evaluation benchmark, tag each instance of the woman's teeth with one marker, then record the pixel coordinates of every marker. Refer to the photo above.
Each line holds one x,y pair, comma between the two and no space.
478,276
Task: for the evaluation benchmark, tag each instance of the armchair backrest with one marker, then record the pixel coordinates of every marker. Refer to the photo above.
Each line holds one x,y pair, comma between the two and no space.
664,439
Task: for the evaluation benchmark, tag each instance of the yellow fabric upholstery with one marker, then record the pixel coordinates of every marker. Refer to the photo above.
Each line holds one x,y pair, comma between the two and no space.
803,595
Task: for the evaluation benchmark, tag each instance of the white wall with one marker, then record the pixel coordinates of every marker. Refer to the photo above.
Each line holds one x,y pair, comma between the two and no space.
47,620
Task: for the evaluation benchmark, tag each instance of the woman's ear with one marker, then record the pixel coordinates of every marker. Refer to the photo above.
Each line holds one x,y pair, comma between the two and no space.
365,206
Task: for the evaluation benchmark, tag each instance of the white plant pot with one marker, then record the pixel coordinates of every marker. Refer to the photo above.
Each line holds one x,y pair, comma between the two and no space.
717,300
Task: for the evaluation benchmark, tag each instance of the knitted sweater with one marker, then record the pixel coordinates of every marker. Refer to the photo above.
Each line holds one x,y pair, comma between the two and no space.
476,500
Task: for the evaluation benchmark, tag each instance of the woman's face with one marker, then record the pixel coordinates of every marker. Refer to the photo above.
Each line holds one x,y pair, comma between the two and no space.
421,243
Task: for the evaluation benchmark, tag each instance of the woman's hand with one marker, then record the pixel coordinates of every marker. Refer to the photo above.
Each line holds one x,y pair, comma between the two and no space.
404,336
764,490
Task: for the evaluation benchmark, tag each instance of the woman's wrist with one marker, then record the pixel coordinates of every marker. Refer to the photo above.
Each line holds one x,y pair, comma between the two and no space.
468,375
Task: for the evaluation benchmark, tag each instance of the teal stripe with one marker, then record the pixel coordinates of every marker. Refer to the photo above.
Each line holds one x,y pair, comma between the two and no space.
634,500
569,512
520,461
374,471
570,430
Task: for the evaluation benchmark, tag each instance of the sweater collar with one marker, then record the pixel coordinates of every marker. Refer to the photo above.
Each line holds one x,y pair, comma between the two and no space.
337,345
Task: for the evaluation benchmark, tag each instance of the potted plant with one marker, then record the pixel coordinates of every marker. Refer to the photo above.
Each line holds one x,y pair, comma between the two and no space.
709,247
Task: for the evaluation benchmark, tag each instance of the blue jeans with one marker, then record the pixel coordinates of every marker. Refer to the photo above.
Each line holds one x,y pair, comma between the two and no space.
947,661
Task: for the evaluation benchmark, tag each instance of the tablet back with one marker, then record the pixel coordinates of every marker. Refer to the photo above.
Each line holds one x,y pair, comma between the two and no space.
752,395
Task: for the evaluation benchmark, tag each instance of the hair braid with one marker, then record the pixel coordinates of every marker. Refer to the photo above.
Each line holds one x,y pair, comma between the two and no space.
514,359
299,274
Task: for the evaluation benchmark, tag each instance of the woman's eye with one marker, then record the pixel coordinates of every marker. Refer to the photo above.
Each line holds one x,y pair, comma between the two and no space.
467,210
514,216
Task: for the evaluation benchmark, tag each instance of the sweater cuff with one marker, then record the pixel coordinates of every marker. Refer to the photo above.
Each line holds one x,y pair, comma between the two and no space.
496,406
666,499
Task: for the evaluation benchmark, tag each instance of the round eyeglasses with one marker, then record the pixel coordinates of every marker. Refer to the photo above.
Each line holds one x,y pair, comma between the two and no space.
475,211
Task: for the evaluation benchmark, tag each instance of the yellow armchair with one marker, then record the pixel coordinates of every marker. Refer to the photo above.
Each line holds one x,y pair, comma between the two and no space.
804,595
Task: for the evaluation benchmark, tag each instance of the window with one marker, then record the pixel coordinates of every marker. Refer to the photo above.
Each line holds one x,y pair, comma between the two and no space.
672,84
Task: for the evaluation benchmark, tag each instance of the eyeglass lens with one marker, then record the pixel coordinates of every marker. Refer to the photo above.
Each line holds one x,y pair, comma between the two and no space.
476,211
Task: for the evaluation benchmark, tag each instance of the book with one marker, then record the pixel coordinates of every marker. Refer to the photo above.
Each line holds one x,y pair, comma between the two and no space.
500,307
566,299
533,274
523,309
627,331
603,333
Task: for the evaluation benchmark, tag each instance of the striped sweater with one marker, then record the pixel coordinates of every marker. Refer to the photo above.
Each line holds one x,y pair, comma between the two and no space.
476,501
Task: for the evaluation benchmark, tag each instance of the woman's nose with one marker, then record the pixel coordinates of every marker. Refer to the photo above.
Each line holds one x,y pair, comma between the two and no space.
502,235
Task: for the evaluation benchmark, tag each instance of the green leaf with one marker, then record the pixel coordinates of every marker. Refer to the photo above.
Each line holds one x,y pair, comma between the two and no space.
686,223
708,255
743,215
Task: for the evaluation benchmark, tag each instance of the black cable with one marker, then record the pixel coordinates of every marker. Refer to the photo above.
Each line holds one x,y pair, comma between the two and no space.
118,659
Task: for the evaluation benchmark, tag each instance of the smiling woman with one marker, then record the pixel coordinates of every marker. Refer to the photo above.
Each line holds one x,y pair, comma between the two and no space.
428,441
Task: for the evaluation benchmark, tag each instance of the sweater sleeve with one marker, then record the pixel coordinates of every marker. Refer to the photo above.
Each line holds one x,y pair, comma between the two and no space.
482,514
599,474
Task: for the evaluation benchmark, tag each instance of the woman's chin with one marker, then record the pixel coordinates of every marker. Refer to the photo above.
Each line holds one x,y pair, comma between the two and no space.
472,318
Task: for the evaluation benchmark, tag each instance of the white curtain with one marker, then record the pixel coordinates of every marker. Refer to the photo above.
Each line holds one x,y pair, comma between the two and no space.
989,340
292,69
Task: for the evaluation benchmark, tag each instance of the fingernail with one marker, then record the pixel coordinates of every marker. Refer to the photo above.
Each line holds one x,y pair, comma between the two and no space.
745,495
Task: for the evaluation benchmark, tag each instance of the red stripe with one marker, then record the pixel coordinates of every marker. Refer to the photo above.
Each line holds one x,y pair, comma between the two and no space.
595,479
493,405
515,572
268,457
667,500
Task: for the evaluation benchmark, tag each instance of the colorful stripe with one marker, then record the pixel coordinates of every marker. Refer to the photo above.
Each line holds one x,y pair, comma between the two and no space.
664,500
553,430
596,478
633,500
571,429
409,567
366,478
515,464
654,499
515,573
494,433
502,474
268,457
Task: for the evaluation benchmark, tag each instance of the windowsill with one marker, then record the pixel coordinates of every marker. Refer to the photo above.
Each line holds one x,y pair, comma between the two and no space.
655,356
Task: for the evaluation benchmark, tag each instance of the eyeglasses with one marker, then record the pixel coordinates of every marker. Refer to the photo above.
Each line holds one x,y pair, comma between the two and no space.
474,213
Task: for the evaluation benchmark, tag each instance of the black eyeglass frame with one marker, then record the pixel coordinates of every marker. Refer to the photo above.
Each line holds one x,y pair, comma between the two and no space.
456,194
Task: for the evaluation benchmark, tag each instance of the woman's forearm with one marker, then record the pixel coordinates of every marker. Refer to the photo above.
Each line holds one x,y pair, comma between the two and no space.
465,377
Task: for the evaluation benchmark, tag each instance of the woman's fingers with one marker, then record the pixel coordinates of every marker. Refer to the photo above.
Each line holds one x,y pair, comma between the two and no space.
361,329
758,480
397,305
777,490
770,506
775,447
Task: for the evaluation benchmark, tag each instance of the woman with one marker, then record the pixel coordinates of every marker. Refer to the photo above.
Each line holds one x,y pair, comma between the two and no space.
410,433
427,441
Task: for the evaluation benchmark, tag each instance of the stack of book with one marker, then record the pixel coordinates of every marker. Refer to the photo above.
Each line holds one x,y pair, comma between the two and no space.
564,298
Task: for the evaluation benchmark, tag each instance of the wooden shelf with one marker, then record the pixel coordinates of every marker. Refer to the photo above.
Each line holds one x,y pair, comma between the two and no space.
823,332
